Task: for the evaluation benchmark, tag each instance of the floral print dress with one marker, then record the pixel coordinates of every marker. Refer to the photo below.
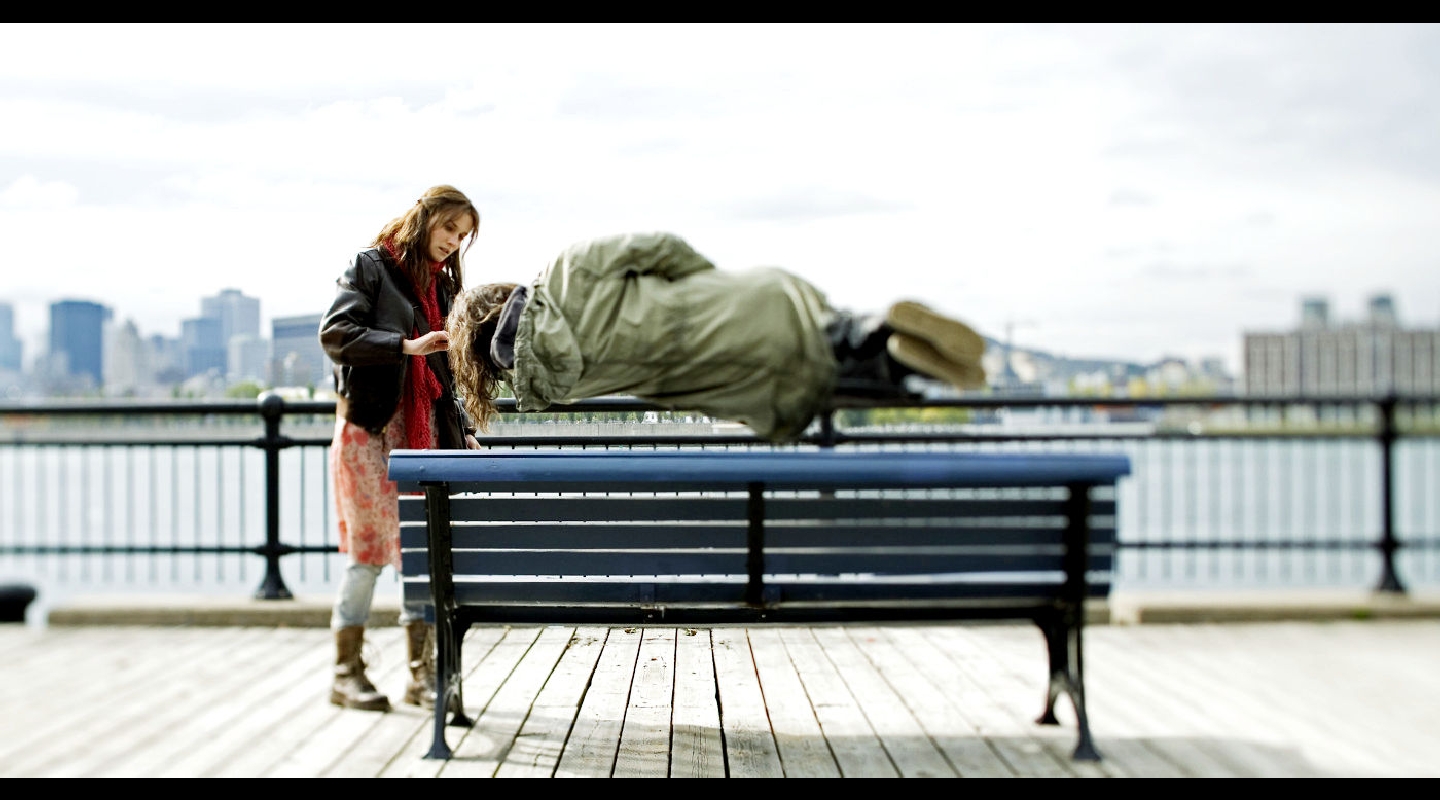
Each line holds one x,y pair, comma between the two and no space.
367,502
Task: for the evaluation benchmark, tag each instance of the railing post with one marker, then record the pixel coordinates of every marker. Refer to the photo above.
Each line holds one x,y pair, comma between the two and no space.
272,410
1389,580
827,428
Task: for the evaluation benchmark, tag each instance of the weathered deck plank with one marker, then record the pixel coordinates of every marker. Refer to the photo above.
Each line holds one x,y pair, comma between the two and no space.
482,748
696,749
912,671
911,750
595,738
1284,699
858,751
968,682
798,735
645,737
542,739
749,741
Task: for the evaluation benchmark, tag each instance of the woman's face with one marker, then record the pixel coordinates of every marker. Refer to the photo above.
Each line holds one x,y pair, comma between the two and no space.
446,235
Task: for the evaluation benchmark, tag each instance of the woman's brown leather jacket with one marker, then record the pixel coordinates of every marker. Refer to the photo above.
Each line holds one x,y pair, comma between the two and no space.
374,311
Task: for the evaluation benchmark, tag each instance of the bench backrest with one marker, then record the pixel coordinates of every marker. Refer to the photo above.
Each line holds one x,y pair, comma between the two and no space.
736,535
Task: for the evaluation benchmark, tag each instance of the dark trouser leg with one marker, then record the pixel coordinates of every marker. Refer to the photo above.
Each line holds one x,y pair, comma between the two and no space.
866,370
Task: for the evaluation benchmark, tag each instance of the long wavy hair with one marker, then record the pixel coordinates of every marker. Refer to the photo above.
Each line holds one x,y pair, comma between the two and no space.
471,326
409,235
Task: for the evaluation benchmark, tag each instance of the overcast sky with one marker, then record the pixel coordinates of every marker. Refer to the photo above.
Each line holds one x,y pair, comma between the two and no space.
1112,191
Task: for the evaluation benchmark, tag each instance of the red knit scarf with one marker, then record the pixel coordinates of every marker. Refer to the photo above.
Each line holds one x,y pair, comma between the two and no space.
422,388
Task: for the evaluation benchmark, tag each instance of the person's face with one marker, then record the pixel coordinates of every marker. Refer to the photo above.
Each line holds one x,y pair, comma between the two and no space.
446,235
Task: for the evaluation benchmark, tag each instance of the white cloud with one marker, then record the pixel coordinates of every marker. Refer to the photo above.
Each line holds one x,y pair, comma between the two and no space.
28,192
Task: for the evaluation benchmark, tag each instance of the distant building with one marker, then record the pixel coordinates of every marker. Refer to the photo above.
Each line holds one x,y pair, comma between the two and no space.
1212,371
296,358
1169,374
1382,312
238,317
202,346
12,349
167,359
249,359
1373,357
129,368
206,339
77,344
238,314
1314,313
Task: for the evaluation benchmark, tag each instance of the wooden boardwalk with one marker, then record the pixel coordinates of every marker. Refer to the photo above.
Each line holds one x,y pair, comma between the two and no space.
1278,699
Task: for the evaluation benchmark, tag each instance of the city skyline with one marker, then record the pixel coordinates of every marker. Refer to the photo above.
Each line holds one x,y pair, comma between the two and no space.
1348,310
225,346
92,348
1341,311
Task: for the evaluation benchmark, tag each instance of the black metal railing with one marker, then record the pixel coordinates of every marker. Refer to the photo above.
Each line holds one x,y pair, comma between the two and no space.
272,425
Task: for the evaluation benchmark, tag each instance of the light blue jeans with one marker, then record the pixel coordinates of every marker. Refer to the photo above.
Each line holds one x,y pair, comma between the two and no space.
357,591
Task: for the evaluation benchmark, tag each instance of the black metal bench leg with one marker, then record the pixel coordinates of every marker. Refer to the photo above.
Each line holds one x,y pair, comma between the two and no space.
1062,642
1075,680
444,677
1055,647
1068,624
448,634
455,694
449,698
1084,746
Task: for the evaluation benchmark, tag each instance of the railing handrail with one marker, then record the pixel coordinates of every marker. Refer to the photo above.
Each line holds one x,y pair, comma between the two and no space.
69,407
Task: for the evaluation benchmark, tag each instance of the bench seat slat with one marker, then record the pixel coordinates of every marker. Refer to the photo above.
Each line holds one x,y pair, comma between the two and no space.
733,534
901,599
601,508
733,562
510,591
559,469
641,536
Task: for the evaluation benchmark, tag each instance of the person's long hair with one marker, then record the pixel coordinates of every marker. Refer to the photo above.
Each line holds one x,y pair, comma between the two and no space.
408,236
471,326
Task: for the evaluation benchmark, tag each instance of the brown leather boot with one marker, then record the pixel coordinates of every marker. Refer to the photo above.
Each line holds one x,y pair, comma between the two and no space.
952,339
920,356
420,642
352,689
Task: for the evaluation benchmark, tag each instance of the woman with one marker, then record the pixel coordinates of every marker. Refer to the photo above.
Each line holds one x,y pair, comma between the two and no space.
646,315
385,333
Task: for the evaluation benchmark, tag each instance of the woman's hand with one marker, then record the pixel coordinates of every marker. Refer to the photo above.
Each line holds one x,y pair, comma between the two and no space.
432,342
471,442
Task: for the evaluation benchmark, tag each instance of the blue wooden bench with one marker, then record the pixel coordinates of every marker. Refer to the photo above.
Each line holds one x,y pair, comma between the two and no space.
696,538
